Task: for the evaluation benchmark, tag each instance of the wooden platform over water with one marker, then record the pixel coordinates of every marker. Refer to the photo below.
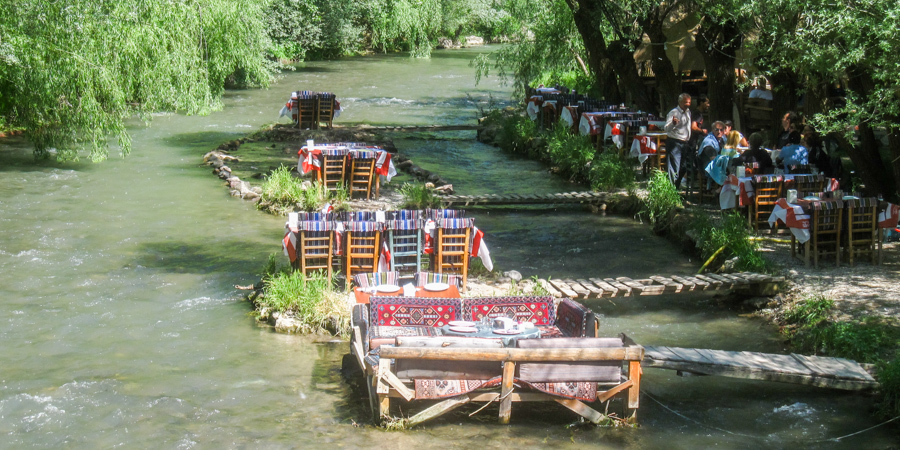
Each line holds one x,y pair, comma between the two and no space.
532,199
827,372
654,285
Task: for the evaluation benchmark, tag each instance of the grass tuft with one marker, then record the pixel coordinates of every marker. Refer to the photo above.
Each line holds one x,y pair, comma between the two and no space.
417,196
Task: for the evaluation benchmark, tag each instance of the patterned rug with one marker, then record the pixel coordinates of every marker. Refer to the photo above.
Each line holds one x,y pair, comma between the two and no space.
581,390
433,389
537,310
431,312
388,332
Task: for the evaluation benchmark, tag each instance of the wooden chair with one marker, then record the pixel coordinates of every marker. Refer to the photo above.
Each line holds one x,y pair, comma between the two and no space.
549,115
767,190
362,246
325,109
334,168
365,280
808,184
306,112
423,278
404,238
316,247
698,181
451,248
861,236
362,176
825,230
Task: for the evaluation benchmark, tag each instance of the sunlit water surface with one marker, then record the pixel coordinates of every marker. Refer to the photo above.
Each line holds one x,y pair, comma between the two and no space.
121,326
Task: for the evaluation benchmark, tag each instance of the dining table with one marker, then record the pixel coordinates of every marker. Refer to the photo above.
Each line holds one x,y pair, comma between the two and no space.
509,337
362,295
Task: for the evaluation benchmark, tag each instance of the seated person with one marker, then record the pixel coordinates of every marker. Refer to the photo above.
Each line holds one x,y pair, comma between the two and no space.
789,124
729,127
710,146
757,154
732,141
793,154
817,155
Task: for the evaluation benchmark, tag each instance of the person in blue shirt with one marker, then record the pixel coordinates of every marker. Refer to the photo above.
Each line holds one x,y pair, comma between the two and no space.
793,154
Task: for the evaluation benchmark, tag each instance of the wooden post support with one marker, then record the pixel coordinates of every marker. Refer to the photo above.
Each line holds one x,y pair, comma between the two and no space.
506,387
634,392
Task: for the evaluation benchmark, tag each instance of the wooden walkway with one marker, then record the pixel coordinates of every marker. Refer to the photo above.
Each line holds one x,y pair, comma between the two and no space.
410,129
515,199
827,372
655,285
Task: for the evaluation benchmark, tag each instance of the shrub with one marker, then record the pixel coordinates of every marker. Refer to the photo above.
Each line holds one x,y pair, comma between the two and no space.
570,152
732,234
282,188
609,172
662,198
312,300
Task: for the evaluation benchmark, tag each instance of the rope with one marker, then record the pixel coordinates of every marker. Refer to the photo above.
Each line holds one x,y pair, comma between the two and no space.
495,399
835,439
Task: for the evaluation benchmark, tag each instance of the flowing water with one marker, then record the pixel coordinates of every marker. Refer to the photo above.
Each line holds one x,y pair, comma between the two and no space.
121,327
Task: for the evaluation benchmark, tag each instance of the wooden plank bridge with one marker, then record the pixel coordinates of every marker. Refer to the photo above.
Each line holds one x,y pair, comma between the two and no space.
516,199
827,372
411,128
655,285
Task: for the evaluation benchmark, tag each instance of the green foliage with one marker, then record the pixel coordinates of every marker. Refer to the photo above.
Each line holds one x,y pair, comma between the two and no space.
610,171
570,152
72,72
477,269
283,188
417,196
662,198
312,300
731,233
516,131
889,378
811,327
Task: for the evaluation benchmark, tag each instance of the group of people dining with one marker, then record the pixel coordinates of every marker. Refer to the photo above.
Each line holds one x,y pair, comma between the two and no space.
716,148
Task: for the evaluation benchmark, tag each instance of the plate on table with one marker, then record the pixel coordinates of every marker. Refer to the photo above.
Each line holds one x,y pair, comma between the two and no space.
507,331
464,329
436,286
386,288
461,323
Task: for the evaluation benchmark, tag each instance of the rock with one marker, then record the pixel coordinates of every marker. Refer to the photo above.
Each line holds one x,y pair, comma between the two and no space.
235,183
514,275
257,190
474,40
444,42
405,165
250,195
429,185
433,177
445,189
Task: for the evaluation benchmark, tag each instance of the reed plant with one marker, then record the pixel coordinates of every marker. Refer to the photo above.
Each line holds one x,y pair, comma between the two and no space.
728,237
572,153
662,199
418,196
282,188
611,171
312,300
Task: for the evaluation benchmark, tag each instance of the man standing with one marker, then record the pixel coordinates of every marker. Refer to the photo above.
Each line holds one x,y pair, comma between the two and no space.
678,132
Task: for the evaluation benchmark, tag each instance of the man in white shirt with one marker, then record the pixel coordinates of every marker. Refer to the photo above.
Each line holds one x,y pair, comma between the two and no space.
678,132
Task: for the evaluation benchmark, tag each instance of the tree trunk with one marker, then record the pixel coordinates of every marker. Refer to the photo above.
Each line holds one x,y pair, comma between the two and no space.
784,99
595,46
866,156
894,144
630,83
718,43
668,84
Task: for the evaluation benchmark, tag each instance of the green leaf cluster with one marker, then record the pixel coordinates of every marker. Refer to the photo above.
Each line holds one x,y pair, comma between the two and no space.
72,72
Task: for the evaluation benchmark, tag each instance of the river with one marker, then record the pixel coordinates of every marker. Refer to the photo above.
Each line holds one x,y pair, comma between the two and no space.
121,326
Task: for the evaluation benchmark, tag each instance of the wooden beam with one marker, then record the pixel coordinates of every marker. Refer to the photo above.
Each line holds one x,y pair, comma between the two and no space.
549,288
398,385
633,353
506,387
604,396
634,392
357,348
564,288
581,409
438,409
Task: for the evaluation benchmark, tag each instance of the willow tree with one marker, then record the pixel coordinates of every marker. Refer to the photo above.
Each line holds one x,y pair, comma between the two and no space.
824,42
72,72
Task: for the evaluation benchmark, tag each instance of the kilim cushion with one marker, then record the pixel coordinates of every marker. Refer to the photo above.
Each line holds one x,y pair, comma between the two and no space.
605,371
537,310
574,320
413,311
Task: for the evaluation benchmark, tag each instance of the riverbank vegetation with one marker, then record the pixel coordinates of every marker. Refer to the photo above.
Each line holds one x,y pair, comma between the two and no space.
313,303
811,327
282,192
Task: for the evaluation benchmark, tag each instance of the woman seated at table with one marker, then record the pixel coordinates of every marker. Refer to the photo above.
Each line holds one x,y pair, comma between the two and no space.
732,142
729,127
793,154
757,154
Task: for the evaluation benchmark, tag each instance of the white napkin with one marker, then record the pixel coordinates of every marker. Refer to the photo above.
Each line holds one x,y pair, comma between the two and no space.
409,290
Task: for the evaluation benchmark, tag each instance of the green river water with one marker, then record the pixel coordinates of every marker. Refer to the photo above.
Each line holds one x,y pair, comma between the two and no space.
121,326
